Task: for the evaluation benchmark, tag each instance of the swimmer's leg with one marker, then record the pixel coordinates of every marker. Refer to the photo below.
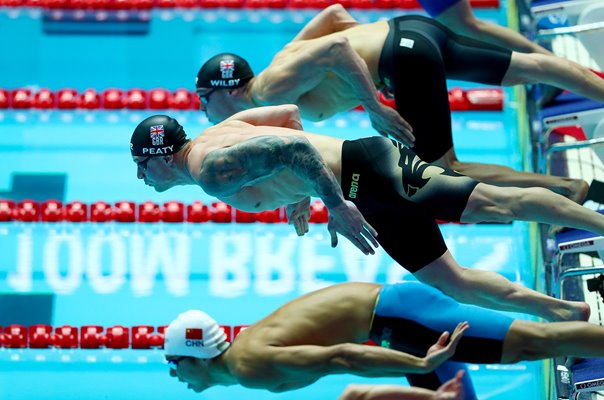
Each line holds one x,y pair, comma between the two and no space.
499,175
492,290
461,19
489,203
527,340
556,71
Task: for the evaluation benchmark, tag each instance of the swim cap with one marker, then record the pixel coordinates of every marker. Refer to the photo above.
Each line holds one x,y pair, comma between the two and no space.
194,334
157,135
225,70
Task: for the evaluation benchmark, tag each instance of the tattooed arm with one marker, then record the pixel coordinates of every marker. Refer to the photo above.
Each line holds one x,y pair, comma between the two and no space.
226,171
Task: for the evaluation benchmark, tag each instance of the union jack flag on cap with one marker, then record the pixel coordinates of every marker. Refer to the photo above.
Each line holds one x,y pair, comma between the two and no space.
157,135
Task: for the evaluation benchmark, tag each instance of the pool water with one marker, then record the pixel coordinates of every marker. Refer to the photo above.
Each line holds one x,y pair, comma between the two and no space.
145,274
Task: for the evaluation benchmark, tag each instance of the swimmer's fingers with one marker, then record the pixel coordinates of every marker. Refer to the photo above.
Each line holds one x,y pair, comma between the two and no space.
301,225
406,127
355,238
407,137
297,227
334,236
361,242
304,224
461,328
371,234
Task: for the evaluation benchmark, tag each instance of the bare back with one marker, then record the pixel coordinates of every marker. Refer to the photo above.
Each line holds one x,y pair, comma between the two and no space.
334,315
332,94
279,190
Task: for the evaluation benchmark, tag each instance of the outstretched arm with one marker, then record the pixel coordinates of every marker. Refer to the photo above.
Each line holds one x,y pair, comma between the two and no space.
286,116
226,171
451,390
305,65
334,18
359,359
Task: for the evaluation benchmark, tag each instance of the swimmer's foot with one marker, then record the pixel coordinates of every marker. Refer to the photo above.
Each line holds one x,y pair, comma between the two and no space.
570,361
573,311
576,190
553,230
579,190
548,95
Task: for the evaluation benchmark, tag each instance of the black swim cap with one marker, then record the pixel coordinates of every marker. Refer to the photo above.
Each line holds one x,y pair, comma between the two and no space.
225,70
157,135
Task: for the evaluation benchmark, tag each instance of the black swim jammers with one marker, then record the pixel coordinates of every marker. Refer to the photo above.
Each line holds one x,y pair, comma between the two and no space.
401,197
418,57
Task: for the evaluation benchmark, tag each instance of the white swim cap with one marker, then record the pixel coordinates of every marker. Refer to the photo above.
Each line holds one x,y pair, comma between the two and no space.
194,334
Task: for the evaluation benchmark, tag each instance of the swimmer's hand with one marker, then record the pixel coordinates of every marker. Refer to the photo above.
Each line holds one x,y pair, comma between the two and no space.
452,389
441,351
348,221
298,215
390,124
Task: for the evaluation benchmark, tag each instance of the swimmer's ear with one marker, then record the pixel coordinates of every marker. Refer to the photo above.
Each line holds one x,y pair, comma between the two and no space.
169,159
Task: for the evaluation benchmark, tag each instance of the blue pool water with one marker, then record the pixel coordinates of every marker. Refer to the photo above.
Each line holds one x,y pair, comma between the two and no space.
131,274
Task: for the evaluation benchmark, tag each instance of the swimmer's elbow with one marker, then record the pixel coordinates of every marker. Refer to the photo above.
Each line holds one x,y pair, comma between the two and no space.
334,53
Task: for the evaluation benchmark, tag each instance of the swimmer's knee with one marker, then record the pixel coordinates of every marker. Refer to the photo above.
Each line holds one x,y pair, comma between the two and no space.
525,68
489,203
530,341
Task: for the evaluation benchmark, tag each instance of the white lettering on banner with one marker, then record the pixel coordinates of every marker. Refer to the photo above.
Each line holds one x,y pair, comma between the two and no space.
63,283
274,257
21,281
171,251
230,261
101,282
260,260
312,263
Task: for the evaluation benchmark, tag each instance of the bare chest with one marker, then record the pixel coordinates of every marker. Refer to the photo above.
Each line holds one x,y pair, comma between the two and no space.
281,190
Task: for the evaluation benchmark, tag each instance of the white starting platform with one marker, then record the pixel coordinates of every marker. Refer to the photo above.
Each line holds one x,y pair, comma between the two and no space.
578,274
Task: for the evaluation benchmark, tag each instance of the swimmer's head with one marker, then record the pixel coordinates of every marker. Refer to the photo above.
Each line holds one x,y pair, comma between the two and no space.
222,86
157,135
223,71
194,334
157,145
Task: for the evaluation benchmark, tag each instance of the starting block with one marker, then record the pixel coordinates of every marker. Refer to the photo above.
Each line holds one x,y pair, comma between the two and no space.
587,376
578,274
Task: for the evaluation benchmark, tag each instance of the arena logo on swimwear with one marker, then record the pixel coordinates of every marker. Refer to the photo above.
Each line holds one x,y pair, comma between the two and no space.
354,186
